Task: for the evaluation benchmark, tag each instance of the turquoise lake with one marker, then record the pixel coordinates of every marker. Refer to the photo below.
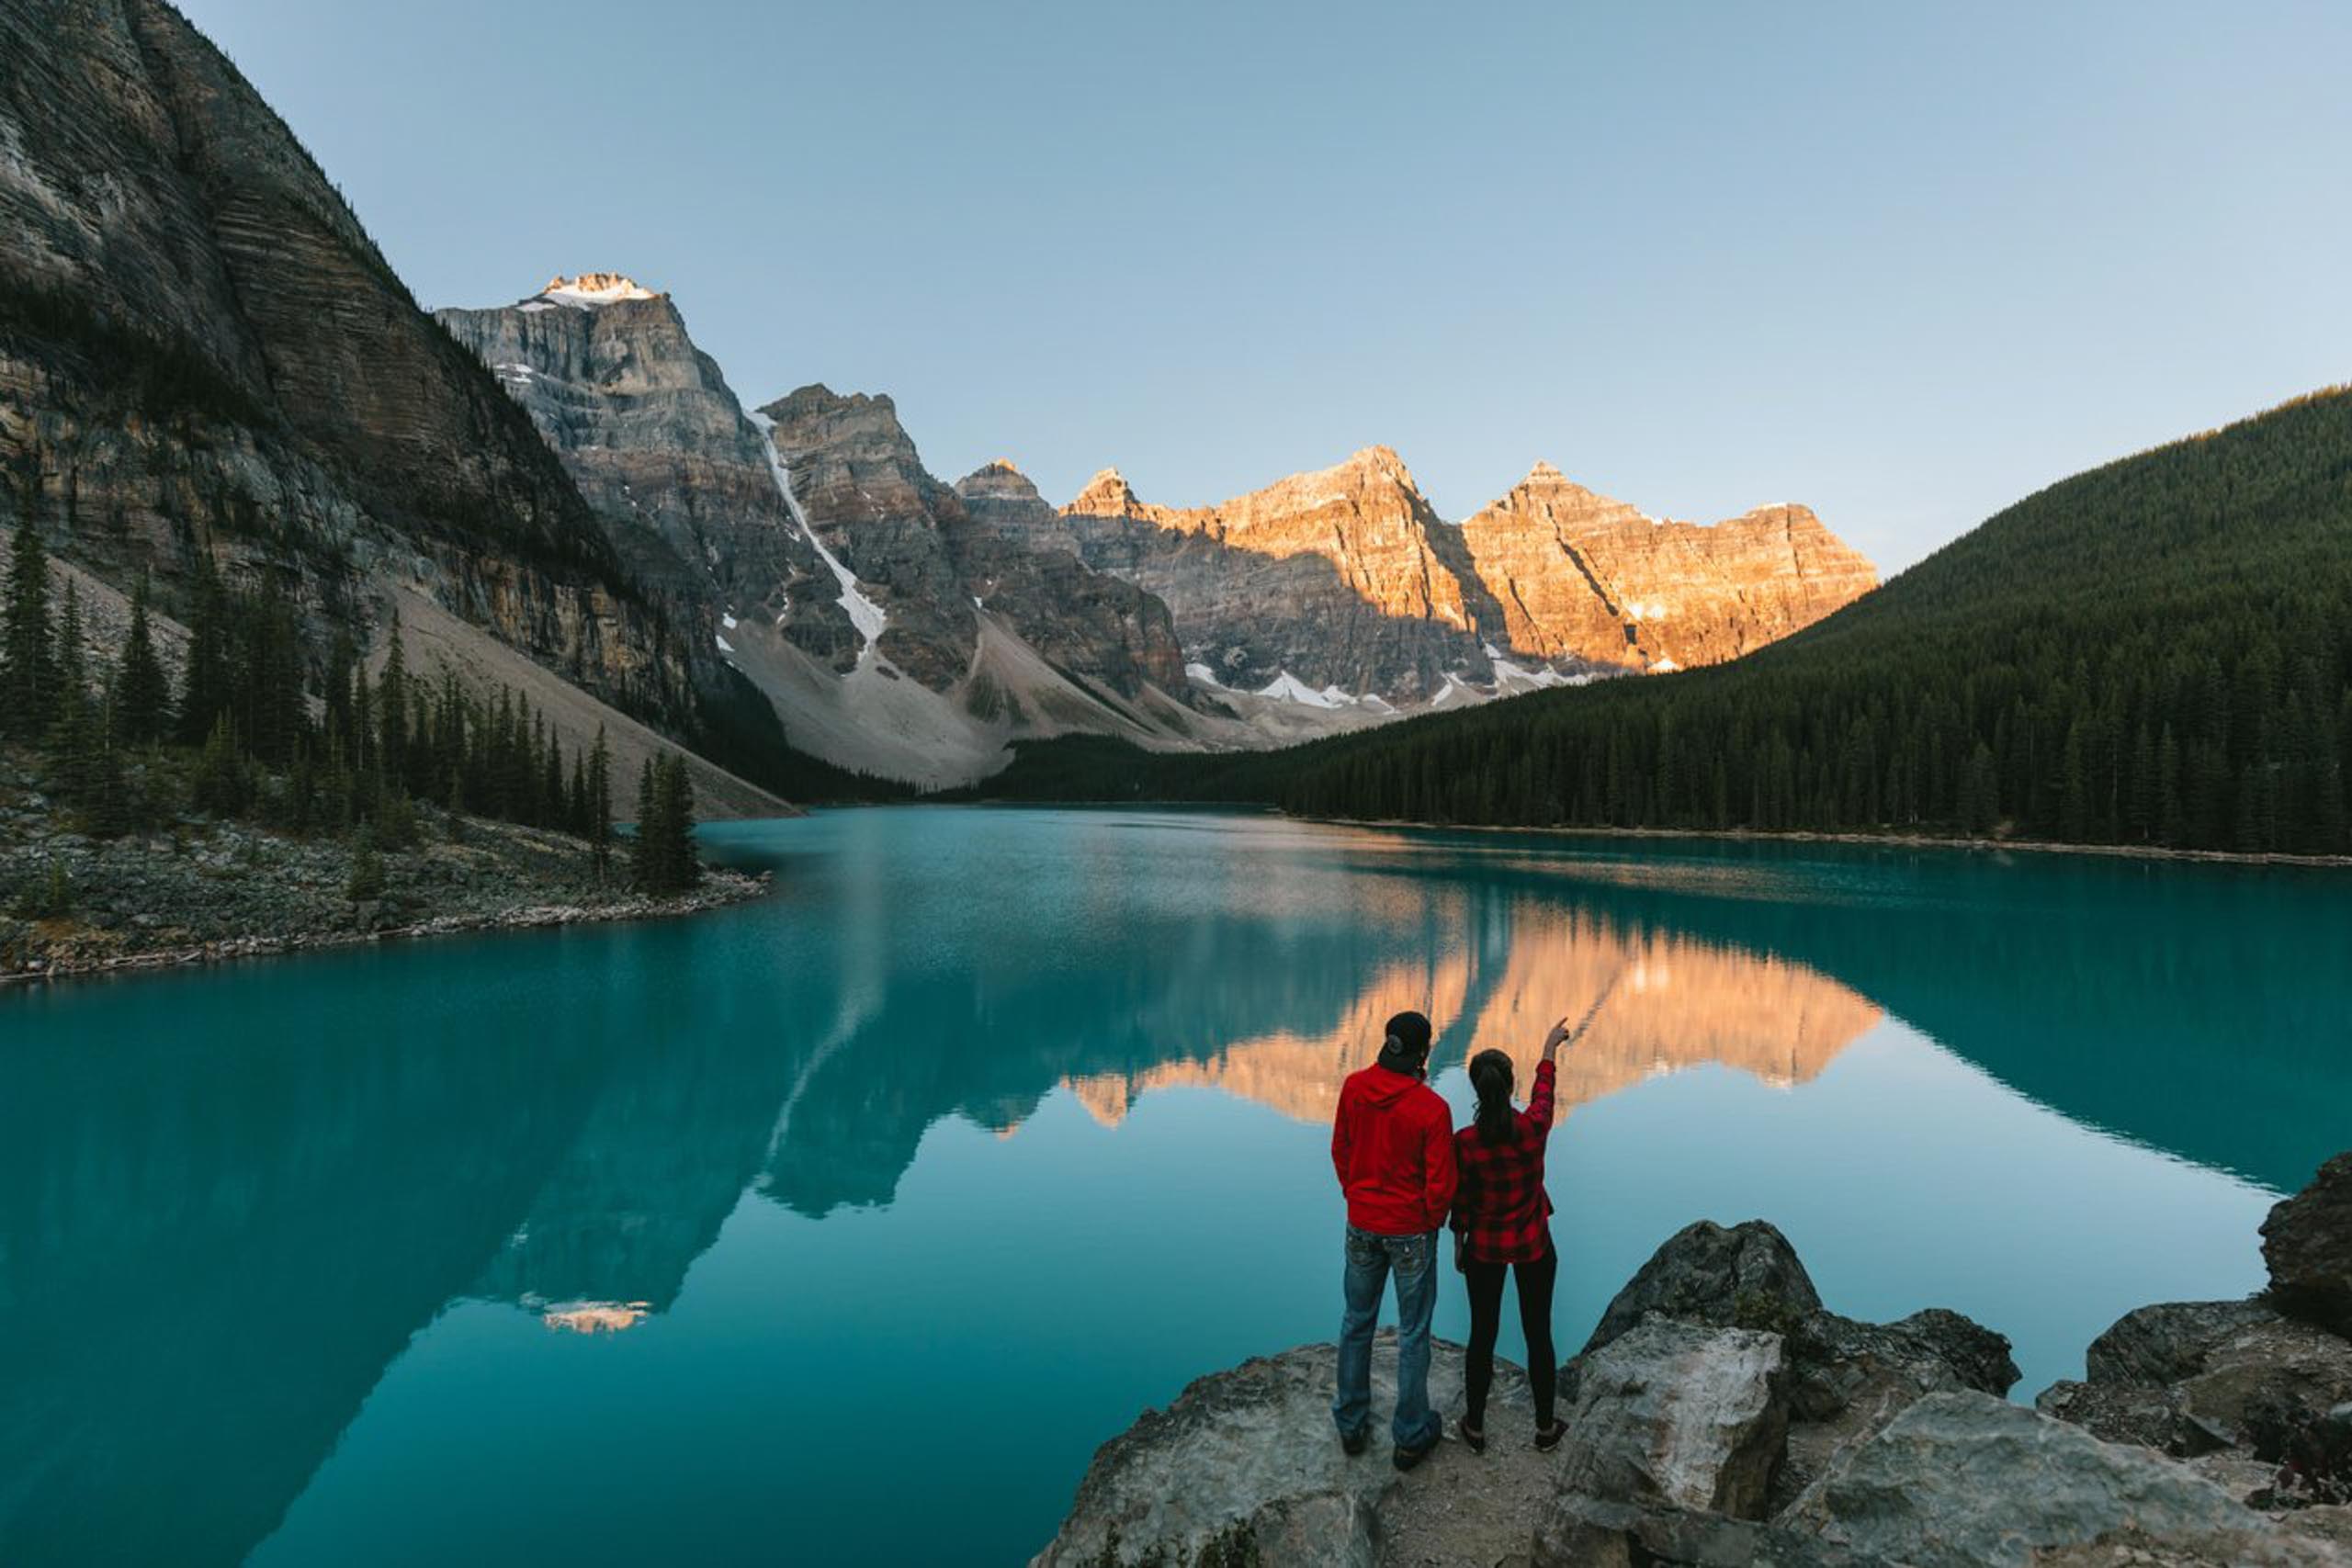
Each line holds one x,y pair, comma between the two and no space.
842,1226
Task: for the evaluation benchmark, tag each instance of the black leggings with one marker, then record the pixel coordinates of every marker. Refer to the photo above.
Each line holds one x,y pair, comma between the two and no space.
1534,1317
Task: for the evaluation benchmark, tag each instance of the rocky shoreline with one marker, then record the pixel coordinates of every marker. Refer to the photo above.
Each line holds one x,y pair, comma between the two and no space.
206,892
720,889
1722,1415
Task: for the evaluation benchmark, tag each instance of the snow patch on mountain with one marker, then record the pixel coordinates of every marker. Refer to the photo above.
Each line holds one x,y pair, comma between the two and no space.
1287,687
864,614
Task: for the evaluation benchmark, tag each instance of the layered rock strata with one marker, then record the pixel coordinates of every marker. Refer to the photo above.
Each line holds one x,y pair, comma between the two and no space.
648,428
202,350
1576,575
1343,585
1342,580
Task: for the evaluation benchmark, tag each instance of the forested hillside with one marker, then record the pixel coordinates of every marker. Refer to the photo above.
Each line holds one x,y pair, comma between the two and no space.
2157,652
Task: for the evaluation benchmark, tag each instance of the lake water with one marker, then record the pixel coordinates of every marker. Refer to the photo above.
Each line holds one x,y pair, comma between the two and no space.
842,1226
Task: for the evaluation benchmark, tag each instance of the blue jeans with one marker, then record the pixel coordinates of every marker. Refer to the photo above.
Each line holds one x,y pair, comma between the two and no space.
1371,1259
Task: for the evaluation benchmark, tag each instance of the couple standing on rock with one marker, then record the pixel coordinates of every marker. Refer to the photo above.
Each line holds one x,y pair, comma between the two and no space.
1407,1174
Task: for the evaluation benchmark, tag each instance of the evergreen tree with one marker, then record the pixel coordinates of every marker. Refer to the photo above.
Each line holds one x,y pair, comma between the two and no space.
684,860
82,762
221,785
670,864
366,880
27,669
142,695
645,866
207,685
70,659
600,803
391,706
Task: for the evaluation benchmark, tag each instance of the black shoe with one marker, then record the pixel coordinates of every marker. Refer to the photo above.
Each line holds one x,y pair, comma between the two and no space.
1475,1437
1548,1437
1406,1459
1355,1442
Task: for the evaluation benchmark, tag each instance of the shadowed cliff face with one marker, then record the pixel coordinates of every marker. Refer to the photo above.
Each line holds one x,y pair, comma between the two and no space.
201,349
867,494
936,561
1098,624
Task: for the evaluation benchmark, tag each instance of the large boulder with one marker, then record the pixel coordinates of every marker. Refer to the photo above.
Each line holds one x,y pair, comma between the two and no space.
2307,1242
2169,1341
1583,1532
1682,1414
1742,1276
1962,1479
1846,1379
2194,1378
1244,1466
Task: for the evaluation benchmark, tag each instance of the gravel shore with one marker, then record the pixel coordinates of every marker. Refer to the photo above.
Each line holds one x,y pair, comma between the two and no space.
202,892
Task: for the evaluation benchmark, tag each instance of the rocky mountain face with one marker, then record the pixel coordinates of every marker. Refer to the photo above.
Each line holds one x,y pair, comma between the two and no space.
1342,580
647,426
1123,635
1344,585
201,351
863,487
848,584
1576,575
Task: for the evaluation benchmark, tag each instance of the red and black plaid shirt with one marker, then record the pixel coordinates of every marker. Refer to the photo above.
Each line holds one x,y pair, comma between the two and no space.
1499,1206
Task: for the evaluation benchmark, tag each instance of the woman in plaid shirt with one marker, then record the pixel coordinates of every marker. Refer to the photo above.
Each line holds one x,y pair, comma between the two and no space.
1502,1222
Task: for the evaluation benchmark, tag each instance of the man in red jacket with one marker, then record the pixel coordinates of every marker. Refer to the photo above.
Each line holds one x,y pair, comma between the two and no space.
1392,1143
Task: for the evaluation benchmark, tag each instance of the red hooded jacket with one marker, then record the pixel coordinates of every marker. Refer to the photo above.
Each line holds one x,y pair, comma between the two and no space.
1392,1143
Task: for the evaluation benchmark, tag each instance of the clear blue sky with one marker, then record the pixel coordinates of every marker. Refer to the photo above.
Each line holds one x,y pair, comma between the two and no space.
1905,265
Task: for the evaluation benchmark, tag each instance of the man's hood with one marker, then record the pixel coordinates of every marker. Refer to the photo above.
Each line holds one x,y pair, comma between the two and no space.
1383,1085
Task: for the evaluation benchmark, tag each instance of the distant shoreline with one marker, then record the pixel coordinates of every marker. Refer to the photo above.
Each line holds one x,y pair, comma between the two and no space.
1732,835
1883,840
720,889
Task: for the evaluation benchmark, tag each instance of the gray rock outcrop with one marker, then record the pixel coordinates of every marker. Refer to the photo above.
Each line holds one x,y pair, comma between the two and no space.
1745,1275
1682,1414
2307,1243
1723,1415
1961,1479
2192,1378
1845,1379
2258,1392
1244,1466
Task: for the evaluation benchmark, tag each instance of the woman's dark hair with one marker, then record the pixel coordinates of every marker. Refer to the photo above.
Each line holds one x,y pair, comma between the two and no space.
1407,1049
1491,1075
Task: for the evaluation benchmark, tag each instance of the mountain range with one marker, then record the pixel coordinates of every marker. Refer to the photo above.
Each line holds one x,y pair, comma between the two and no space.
203,356
2156,654
909,628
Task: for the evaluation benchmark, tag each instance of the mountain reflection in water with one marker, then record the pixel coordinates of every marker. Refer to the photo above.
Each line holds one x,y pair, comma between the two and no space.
1667,1002
230,1199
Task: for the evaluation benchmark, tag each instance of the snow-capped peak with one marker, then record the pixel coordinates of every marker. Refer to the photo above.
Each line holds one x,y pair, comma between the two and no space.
593,288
